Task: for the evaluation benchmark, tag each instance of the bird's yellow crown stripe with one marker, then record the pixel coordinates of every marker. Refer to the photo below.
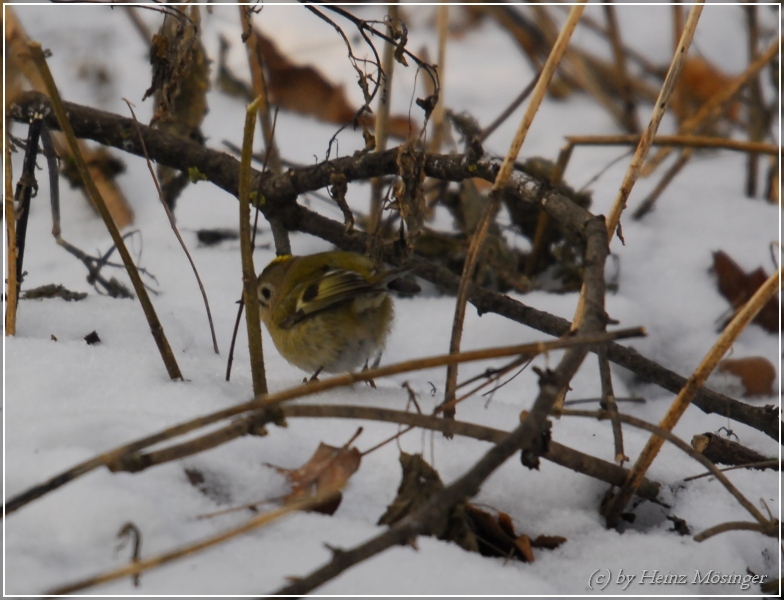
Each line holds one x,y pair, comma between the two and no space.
281,258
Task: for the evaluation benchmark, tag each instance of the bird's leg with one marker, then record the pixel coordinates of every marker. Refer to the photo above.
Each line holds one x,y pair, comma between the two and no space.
313,378
370,382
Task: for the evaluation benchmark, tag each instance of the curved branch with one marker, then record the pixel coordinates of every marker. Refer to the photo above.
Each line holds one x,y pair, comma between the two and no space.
279,197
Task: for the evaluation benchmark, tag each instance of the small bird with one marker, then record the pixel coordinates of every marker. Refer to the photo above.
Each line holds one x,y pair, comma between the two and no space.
327,312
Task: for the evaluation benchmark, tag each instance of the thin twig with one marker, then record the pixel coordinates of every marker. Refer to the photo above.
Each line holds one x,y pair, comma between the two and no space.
130,531
139,25
507,112
439,123
770,528
763,464
609,404
25,187
758,119
381,130
647,205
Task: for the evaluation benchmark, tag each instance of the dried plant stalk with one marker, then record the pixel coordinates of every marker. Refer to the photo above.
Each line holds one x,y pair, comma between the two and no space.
249,292
680,141
555,452
37,55
12,288
647,205
381,130
694,383
630,118
442,25
271,155
540,89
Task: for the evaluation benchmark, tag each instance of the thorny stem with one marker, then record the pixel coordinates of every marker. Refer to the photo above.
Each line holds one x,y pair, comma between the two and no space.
281,194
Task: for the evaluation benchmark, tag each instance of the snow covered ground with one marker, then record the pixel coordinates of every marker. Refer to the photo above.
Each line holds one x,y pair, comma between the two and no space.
66,402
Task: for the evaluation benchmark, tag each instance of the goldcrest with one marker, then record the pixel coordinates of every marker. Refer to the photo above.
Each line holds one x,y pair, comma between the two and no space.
327,312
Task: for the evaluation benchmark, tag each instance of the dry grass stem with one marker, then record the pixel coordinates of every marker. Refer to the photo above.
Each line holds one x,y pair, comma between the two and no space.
37,55
680,141
629,118
694,383
381,129
271,155
647,205
609,404
252,317
770,528
442,26
539,91
12,286
176,231
763,464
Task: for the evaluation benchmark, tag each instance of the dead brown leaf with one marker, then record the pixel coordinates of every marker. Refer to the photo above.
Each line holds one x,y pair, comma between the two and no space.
329,468
756,373
550,542
467,525
737,286
699,82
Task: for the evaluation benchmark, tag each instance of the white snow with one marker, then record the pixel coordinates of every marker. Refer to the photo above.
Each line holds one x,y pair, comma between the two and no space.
66,402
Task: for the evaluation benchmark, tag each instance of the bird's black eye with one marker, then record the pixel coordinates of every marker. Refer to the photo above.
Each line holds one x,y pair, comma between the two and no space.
265,293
